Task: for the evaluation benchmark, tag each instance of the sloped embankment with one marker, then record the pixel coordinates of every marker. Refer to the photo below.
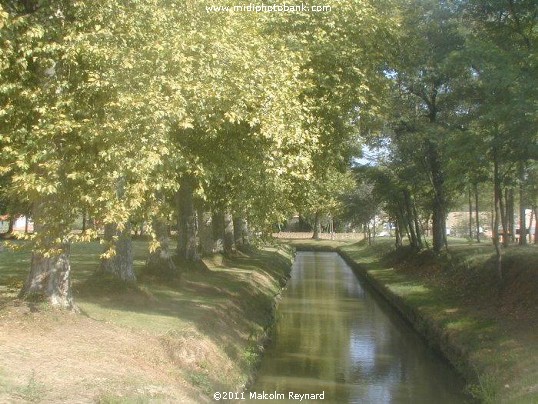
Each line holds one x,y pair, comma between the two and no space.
486,329
177,340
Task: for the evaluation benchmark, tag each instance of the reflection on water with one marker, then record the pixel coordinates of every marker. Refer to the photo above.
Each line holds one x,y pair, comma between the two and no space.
334,337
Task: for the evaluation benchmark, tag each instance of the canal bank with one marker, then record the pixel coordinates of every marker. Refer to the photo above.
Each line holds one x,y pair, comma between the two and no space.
337,339
183,339
488,337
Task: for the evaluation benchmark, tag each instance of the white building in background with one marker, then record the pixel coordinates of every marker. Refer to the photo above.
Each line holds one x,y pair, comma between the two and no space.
19,225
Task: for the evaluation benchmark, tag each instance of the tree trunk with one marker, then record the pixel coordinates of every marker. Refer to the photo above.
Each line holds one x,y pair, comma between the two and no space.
470,214
11,224
477,213
510,214
49,278
403,223
240,231
416,221
317,226
205,232
160,260
229,237
530,224
522,218
439,202
119,263
398,234
497,208
84,220
50,270
410,222
502,211
188,241
218,231
535,210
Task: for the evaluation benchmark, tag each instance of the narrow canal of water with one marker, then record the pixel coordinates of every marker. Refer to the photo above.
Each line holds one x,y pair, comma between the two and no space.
334,336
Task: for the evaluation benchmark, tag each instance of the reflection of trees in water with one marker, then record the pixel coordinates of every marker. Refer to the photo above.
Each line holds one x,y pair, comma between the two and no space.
333,336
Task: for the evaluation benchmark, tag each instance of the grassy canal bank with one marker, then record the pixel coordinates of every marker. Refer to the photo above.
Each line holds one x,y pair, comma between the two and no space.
487,331
174,340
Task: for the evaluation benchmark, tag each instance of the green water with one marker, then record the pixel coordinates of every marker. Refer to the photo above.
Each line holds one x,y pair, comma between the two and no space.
335,338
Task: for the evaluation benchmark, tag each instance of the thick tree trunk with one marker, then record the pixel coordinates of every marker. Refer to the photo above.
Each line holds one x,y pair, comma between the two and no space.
229,237
240,232
50,270
205,232
188,241
218,231
119,263
439,202
403,226
317,226
161,260
49,278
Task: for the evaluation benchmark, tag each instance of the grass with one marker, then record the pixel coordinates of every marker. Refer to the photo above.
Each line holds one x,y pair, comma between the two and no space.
487,328
200,332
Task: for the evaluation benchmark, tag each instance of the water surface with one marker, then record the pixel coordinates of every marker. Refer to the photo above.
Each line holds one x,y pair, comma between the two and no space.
335,337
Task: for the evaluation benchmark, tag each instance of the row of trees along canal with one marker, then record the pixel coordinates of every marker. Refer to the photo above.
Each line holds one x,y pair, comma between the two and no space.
459,121
155,111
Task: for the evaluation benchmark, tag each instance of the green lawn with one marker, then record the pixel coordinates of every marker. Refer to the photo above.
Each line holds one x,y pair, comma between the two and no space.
219,309
486,328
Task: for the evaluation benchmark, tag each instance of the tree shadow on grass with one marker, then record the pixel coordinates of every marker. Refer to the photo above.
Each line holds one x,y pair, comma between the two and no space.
225,304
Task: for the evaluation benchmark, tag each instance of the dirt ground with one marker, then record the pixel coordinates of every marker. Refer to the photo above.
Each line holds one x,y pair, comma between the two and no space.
166,342
60,357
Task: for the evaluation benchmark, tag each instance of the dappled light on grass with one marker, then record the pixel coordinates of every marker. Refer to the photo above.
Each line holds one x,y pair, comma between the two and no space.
172,339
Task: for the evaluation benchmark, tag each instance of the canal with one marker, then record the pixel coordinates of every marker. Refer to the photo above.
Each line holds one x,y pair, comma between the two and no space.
335,337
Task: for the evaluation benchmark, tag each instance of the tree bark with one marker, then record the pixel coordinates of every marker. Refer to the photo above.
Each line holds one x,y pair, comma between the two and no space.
502,212
11,224
229,236
410,221
240,232
398,234
522,218
477,213
188,240
161,260
49,278
205,232
439,202
497,191
317,226
50,270
535,210
218,231
84,220
120,262
510,214
470,214
418,230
